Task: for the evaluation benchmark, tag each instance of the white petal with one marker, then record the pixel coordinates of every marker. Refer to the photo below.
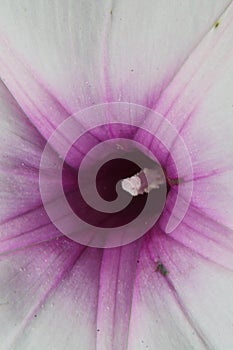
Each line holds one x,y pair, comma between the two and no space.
23,220
199,103
87,52
190,308
60,294
21,147
44,304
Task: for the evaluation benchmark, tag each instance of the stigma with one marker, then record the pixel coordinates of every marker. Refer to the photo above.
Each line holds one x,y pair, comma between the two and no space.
143,182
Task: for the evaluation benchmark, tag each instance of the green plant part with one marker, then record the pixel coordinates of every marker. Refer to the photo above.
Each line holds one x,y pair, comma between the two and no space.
175,182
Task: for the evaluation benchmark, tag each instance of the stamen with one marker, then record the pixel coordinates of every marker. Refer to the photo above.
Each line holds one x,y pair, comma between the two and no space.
143,182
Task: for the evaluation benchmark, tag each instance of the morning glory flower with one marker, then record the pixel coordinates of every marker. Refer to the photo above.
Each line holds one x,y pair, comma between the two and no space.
170,63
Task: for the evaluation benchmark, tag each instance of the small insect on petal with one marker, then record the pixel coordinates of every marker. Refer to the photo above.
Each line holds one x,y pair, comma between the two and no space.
161,268
216,24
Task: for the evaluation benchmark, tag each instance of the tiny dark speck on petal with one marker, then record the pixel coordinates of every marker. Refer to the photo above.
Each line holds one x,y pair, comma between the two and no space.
216,24
97,330
35,315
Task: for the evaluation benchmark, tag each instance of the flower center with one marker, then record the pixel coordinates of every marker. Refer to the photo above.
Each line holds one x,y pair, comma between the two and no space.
121,189
109,179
